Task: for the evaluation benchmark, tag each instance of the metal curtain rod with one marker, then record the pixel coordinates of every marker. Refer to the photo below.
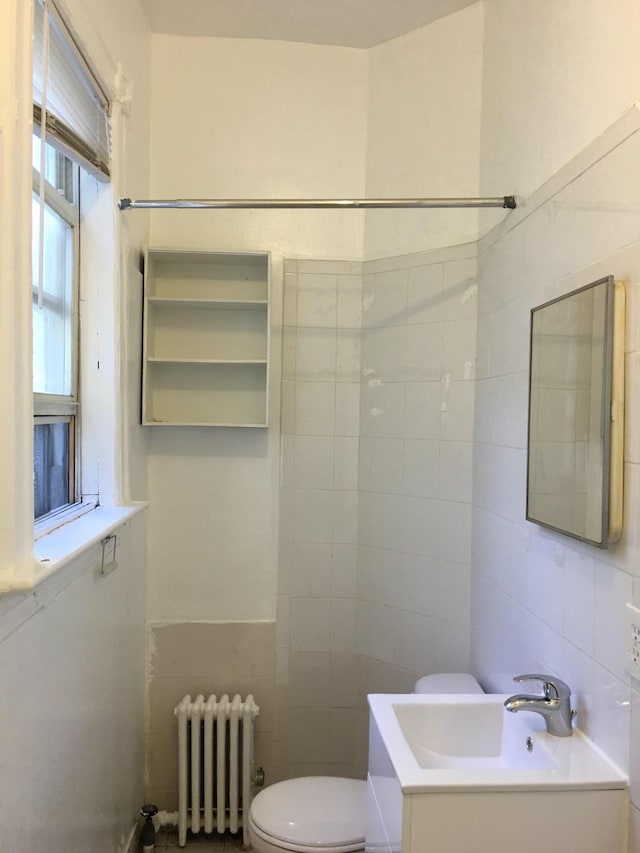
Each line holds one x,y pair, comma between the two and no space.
507,201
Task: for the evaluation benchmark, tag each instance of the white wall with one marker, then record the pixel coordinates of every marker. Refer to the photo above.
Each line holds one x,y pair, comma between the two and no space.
72,652
258,119
541,601
555,76
424,133
234,118
71,708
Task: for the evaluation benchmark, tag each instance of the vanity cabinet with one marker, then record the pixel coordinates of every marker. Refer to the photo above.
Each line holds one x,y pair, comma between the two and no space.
206,339
497,818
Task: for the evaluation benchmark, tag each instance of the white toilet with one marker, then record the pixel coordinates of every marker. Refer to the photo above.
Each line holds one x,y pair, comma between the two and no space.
326,814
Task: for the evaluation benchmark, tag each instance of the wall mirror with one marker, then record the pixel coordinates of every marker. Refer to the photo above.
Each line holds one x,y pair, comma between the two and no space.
576,405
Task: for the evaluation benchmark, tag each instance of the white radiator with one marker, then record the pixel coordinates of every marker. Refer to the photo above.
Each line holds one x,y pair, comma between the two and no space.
215,764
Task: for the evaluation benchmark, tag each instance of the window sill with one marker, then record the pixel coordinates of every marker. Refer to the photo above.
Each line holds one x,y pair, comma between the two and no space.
60,557
50,523
65,543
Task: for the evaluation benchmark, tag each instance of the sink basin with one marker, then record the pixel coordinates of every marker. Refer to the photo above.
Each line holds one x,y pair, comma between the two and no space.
470,742
469,735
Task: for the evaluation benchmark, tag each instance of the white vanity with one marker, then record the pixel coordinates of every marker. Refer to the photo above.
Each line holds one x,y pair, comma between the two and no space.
459,774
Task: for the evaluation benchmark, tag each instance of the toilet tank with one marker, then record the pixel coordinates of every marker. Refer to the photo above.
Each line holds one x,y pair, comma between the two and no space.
447,682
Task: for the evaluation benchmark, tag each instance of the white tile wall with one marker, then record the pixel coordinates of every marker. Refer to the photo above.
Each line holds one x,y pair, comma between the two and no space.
385,430
344,570
416,418
312,516
422,409
312,574
310,624
386,427
313,462
425,293
421,468
347,408
540,599
345,462
316,355
319,518
315,406
317,302
378,370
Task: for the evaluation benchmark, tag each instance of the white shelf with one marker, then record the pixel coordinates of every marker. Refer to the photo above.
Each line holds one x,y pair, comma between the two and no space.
218,304
154,360
204,423
206,339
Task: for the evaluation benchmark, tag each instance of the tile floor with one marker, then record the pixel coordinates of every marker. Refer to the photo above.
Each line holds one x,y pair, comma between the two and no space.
167,840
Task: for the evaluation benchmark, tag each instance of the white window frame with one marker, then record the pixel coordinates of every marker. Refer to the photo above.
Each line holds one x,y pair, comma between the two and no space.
52,408
31,571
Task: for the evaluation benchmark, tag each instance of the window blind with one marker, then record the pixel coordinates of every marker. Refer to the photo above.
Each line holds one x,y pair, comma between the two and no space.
76,107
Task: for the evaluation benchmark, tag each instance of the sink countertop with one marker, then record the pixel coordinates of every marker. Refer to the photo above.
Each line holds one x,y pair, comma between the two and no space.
572,762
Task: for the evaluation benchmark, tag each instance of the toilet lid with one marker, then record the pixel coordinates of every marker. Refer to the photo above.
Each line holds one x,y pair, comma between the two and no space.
313,811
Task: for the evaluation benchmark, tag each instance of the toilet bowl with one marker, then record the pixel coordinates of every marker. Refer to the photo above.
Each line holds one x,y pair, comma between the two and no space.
326,814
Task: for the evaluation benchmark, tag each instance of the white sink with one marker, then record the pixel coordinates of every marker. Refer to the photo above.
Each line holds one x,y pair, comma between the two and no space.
469,735
460,773
470,742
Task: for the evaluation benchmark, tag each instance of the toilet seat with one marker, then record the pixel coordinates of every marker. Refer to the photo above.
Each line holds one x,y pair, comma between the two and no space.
311,814
275,845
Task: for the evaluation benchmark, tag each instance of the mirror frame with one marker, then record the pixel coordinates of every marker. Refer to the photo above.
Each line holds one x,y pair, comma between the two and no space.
611,408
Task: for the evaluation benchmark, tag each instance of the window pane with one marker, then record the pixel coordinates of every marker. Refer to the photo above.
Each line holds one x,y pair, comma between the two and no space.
53,323
50,467
50,160
59,170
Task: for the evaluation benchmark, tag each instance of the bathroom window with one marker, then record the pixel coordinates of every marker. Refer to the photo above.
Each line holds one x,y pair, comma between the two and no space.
55,296
70,147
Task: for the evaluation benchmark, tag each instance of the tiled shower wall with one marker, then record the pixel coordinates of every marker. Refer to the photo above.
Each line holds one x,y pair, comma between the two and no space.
416,429
317,671
377,420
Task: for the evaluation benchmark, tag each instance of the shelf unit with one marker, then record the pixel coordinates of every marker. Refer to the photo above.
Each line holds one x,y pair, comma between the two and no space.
206,339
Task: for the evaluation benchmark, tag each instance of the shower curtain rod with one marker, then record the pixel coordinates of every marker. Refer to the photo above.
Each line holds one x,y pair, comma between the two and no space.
506,201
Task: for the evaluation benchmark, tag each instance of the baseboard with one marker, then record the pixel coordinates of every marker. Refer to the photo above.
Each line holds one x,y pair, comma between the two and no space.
131,844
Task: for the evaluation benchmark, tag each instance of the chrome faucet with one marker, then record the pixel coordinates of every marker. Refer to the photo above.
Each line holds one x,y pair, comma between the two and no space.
554,704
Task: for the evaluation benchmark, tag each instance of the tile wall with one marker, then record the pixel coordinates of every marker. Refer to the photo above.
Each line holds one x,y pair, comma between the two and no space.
541,601
317,670
378,375
416,427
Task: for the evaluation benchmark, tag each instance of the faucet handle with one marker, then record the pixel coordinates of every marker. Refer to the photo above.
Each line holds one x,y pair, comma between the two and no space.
553,688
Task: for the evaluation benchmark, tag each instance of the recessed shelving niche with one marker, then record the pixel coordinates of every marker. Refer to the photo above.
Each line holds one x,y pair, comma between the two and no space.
206,339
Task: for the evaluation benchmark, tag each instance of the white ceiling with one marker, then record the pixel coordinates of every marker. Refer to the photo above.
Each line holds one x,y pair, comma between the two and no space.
351,23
